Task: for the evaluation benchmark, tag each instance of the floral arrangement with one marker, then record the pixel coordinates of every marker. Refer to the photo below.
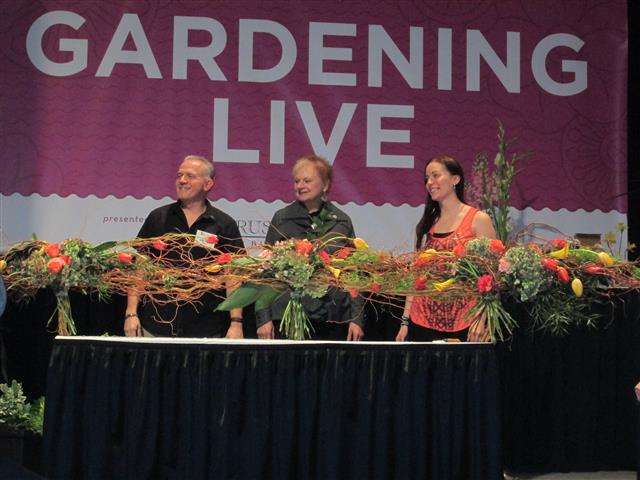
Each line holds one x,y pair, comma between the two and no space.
289,265
36,264
146,266
300,267
490,186
556,281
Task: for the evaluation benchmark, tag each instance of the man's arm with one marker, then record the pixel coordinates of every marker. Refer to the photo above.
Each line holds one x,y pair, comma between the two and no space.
236,245
235,327
132,325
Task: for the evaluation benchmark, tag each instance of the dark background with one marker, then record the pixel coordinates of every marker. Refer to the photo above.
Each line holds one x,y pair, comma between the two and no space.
633,147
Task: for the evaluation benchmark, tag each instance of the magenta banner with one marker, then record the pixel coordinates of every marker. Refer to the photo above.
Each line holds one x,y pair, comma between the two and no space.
105,98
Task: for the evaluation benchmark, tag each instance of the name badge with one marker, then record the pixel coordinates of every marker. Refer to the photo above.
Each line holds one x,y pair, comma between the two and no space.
206,239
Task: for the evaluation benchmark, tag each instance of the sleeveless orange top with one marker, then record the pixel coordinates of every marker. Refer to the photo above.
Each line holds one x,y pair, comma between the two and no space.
449,316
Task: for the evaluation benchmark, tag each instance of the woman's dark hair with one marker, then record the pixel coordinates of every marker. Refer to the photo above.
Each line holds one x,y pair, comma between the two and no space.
431,207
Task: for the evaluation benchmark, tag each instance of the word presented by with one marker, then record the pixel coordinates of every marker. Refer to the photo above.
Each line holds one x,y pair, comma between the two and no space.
320,56
122,219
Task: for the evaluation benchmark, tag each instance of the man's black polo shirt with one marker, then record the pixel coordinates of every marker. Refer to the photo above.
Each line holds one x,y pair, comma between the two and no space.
190,321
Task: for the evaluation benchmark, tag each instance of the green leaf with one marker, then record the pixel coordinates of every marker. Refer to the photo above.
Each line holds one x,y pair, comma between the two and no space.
241,297
584,255
243,261
266,297
104,246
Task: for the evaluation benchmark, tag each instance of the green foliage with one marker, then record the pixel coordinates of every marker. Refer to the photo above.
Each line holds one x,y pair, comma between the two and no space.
556,313
525,274
15,413
248,293
584,255
478,247
295,324
293,268
499,322
241,297
267,297
322,224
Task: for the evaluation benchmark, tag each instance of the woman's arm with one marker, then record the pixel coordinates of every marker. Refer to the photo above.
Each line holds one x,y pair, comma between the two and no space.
482,226
403,331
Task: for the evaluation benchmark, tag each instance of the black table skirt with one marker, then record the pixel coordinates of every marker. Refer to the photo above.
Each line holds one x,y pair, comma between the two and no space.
245,410
568,402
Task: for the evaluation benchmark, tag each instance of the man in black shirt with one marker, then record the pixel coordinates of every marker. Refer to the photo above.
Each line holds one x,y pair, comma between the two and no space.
191,213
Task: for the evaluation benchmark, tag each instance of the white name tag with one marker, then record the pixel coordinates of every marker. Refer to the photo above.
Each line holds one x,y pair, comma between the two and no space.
206,239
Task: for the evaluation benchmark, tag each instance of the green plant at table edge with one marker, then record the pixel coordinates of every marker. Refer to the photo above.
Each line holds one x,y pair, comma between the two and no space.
16,413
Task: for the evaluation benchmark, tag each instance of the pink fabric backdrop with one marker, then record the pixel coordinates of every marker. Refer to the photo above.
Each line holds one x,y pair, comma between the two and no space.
125,134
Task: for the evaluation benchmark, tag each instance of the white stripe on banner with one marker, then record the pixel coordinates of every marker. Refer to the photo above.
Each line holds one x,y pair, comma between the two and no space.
386,227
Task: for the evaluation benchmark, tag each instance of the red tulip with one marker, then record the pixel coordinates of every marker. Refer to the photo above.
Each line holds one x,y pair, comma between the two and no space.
53,250
497,247
593,269
160,245
325,257
224,258
459,250
485,283
125,257
420,262
550,264
420,283
304,247
56,264
563,275
558,243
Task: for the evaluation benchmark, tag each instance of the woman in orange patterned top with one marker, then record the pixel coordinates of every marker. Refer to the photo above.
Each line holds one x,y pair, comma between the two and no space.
446,222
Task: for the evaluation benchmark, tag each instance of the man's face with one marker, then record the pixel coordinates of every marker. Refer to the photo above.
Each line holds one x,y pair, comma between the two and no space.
192,181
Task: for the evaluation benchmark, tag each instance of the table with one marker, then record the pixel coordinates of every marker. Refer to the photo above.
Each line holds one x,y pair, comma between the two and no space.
194,408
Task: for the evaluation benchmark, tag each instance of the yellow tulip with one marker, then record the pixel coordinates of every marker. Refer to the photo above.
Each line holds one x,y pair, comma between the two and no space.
606,259
360,244
334,271
562,253
610,237
440,286
428,253
576,286
213,268
3,265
